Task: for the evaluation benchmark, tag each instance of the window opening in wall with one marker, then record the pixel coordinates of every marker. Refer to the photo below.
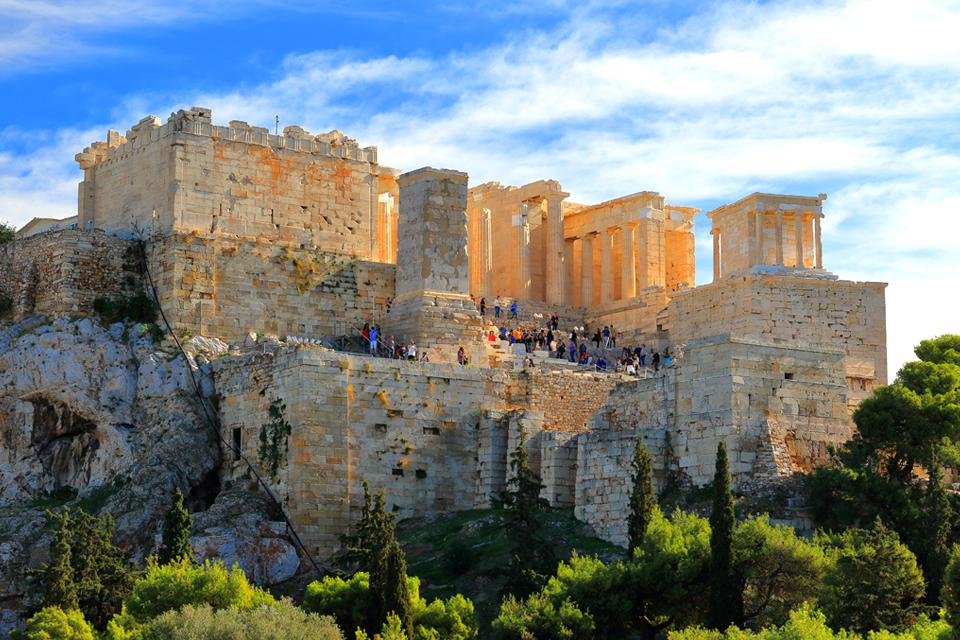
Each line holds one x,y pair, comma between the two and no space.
236,443
397,471
421,474
788,376
432,431
380,427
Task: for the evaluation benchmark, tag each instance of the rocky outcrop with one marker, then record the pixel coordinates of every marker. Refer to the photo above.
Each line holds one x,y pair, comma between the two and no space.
107,419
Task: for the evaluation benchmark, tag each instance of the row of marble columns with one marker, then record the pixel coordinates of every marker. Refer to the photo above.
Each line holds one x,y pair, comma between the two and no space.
587,256
801,222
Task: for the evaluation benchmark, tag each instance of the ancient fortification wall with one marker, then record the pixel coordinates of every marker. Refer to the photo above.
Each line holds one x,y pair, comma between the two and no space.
189,175
218,285
62,272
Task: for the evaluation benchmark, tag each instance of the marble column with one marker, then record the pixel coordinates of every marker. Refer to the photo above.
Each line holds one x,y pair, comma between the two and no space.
798,230
586,269
523,252
779,237
628,262
485,257
817,241
569,277
554,276
606,266
715,232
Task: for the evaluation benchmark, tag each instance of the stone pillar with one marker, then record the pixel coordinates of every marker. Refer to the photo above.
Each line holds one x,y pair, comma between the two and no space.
486,252
628,264
817,241
779,237
569,277
586,269
606,266
523,251
715,232
432,306
758,239
553,268
798,229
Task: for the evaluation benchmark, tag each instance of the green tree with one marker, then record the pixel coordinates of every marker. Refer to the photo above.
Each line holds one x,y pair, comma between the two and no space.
778,571
98,568
538,617
275,621
175,543
936,553
531,556
7,232
873,582
346,601
53,623
726,596
61,590
642,498
950,593
396,596
902,429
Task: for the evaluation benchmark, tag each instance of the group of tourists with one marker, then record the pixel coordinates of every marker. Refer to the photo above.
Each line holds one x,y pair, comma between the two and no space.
390,348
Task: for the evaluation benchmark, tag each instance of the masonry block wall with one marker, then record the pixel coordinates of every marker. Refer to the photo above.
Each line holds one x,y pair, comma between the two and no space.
188,174
63,272
220,285
785,309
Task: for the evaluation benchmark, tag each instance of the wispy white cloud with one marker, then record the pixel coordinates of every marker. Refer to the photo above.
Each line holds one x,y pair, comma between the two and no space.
855,97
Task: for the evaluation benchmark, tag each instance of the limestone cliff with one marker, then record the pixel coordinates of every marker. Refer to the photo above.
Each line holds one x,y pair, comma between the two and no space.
107,419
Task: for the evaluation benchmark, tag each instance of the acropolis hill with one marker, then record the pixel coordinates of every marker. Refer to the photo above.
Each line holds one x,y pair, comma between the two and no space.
301,239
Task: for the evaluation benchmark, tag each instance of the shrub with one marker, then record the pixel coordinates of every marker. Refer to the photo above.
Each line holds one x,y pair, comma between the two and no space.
173,586
277,621
53,623
7,233
136,308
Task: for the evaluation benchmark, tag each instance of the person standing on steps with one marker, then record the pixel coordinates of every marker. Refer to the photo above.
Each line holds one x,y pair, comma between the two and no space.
497,306
483,306
513,309
656,361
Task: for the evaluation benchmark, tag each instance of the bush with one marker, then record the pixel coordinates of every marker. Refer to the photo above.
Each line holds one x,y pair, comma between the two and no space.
346,601
6,304
7,233
277,621
53,623
537,617
173,586
874,582
136,308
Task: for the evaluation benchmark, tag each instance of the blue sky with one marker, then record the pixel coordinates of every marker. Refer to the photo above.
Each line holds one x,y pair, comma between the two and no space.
703,102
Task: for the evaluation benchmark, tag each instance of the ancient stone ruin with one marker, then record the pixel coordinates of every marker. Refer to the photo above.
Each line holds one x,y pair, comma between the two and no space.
304,238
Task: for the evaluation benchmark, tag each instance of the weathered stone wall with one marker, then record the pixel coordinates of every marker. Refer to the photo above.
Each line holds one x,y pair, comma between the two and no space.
566,399
790,310
62,272
220,285
190,175
427,434
604,478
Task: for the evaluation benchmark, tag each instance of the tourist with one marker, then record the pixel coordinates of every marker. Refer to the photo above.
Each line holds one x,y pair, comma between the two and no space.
391,347
513,309
503,332
461,356
374,334
643,355
601,363
596,338
613,337
656,361
483,306
401,351
554,322
412,351
550,339
491,337
583,348
606,337
561,351
496,307
631,369
573,350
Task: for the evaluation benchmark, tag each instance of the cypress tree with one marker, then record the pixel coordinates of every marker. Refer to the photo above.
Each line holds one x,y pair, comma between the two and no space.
642,500
175,544
726,593
531,557
936,555
396,596
61,591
